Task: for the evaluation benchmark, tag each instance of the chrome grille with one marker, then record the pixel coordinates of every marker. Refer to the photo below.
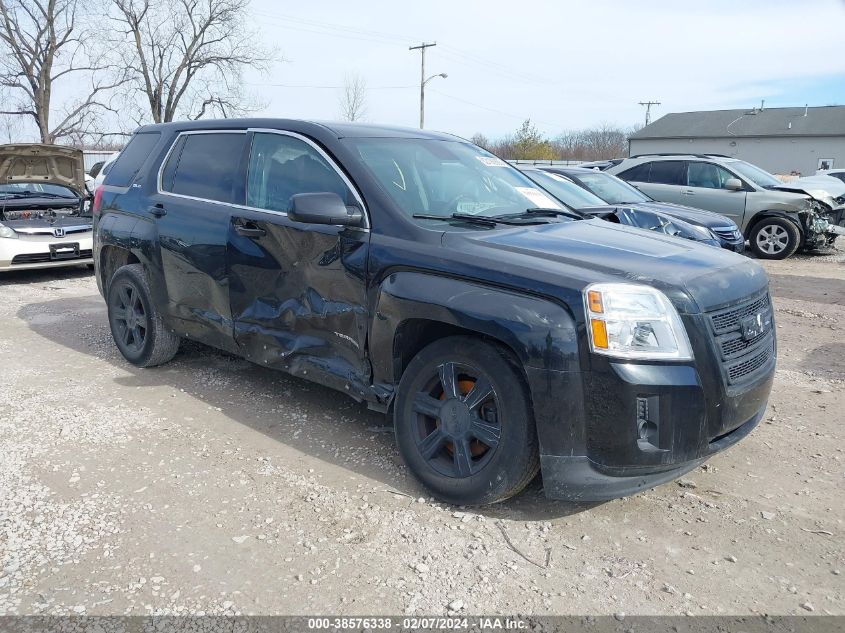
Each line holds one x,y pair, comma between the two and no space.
741,356
727,233
731,347
747,366
728,319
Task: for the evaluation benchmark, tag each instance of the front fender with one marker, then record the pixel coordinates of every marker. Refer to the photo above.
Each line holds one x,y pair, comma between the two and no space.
541,334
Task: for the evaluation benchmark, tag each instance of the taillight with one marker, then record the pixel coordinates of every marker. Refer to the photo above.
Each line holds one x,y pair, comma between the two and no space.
98,198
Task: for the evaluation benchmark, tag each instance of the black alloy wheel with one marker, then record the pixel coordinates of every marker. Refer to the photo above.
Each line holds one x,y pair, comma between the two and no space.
128,317
136,327
457,420
464,421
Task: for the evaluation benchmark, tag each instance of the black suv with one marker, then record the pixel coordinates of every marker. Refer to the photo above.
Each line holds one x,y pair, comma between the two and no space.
422,275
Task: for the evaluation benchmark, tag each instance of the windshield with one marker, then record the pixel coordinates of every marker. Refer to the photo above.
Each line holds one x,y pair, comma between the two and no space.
12,189
611,189
433,177
753,173
565,190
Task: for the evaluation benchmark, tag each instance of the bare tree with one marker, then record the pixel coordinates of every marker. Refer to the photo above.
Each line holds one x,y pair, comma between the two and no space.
186,57
43,43
353,98
479,139
10,128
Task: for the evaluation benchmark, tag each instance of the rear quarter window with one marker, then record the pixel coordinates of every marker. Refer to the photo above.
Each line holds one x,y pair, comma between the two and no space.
639,173
668,172
122,171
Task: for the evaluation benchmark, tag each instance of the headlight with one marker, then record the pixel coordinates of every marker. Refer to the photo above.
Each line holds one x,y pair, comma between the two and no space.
703,232
5,231
634,322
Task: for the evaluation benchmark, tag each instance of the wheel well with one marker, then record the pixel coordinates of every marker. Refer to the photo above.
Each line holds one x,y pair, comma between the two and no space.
765,215
112,258
413,335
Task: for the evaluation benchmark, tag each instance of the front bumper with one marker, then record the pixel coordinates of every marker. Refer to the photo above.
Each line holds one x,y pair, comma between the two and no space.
580,479
737,246
45,251
622,426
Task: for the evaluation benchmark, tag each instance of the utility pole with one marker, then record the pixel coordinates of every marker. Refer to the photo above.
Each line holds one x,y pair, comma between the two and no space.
648,105
422,48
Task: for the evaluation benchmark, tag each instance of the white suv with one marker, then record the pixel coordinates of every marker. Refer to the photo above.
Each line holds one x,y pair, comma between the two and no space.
776,218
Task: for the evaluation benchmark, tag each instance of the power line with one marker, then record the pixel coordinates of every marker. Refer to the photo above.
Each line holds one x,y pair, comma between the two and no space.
521,117
307,86
320,27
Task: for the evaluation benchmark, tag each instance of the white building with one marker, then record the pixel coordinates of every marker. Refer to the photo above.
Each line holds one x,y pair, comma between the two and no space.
780,140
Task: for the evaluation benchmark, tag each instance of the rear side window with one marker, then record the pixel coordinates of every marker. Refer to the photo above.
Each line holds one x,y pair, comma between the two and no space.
637,174
668,172
204,166
122,171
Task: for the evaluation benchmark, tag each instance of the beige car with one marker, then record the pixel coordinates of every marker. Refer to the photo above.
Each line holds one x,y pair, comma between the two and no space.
777,218
44,220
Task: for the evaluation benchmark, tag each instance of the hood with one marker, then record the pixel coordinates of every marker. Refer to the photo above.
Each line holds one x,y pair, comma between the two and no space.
45,164
699,217
588,249
644,216
826,189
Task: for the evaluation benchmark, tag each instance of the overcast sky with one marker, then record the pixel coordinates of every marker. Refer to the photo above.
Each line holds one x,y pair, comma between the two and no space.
566,65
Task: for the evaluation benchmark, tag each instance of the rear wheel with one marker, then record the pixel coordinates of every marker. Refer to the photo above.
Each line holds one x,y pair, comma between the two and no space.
774,238
135,324
463,422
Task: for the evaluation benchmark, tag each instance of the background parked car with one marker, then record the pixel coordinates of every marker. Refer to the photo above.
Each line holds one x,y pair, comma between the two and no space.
43,218
601,165
613,191
776,218
103,171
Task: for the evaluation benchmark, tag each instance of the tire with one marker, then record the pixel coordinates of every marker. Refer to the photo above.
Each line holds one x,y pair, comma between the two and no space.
473,444
774,238
136,325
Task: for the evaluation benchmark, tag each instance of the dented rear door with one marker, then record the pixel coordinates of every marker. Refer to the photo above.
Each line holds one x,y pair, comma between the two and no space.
297,291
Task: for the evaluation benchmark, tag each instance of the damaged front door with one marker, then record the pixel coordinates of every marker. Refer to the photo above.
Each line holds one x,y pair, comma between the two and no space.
297,291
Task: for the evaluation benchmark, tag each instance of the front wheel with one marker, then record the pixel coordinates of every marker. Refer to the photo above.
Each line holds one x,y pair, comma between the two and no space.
774,238
135,324
464,423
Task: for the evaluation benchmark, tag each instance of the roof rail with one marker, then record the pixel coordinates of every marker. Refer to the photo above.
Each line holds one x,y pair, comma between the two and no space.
681,154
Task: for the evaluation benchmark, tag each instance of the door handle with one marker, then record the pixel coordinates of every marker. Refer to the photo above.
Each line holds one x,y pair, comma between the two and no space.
158,210
249,229
688,192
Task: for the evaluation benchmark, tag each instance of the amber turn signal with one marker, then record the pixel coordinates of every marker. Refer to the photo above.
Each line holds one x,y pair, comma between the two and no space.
599,333
594,300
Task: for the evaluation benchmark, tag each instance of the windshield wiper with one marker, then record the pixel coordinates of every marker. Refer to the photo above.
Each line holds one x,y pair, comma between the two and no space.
472,219
545,212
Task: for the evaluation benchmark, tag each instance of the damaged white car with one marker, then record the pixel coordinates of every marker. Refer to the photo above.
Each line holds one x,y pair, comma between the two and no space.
776,218
44,220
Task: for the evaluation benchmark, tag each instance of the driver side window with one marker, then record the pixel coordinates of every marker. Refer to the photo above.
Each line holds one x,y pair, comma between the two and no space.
282,166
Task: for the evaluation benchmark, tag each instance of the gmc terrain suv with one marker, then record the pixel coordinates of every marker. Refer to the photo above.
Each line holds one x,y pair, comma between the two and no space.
416,272
777,218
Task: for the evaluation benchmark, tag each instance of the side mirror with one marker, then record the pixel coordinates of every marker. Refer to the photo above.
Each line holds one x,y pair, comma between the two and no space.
734,184
323,208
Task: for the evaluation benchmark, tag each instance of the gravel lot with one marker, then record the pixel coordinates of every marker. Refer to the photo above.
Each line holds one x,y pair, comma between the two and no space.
214,486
